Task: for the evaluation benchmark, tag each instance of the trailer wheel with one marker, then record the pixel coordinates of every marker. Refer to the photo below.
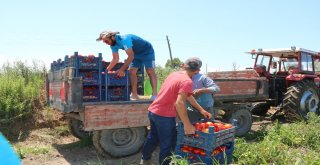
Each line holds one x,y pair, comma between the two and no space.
75,127
301,98
244,121
119,142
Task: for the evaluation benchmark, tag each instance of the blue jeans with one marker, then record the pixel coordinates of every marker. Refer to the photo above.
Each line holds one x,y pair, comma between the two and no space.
163,131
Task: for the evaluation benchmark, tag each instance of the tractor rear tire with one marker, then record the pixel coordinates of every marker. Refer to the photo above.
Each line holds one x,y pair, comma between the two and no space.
244,121
300,99
75,127
260,108
119,142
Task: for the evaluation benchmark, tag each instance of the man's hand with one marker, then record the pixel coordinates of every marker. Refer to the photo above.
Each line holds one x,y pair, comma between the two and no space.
197,92
121,73
189,129
206,114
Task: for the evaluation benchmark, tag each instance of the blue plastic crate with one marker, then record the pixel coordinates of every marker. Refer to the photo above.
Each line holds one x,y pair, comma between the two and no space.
83,62
221,158
115,68
117,93
91,94
90,77
88,62
207,141
113,80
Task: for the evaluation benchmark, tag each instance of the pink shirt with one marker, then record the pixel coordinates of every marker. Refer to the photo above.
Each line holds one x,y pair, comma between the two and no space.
177,82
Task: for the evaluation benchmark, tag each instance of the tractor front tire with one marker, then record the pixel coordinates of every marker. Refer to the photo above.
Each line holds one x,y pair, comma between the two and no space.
119,142
300,99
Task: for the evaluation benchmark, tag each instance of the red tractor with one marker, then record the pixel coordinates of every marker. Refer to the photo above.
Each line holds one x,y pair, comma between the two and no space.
293,79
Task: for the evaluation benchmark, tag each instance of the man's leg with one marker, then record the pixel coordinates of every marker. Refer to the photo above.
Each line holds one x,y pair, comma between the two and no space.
166,128
152,140
153,80
150,66
133,68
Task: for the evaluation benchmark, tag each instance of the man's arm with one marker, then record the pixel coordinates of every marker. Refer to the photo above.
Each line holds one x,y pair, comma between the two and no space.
126,64
195,104
182,112
209,87
114,61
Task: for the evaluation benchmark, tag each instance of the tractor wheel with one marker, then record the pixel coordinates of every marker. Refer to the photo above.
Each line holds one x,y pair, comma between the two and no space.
260,108
244,121
301,98
119,142
75,127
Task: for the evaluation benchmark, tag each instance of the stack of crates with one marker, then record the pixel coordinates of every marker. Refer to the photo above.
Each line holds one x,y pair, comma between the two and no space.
116,88
89,69
207,147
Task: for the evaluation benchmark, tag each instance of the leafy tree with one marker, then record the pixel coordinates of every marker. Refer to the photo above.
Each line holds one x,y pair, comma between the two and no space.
175,64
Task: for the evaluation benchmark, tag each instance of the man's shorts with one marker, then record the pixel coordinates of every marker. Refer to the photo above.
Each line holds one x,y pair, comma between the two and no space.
138,63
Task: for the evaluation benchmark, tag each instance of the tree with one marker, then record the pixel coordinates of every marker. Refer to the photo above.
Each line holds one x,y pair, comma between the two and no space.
235,66
175,64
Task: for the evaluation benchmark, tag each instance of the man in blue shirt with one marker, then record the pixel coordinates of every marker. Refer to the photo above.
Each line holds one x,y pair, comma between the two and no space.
203,90
140,52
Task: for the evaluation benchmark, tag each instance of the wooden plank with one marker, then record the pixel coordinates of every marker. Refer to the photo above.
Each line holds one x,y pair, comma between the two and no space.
112,116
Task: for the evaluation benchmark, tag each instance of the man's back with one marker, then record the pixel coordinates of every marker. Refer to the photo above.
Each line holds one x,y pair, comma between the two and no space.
176,83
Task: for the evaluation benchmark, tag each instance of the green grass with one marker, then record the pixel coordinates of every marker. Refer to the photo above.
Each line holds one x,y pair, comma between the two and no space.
295,143
23,151
20,87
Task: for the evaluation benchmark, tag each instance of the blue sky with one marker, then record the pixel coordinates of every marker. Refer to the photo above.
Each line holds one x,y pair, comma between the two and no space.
218,32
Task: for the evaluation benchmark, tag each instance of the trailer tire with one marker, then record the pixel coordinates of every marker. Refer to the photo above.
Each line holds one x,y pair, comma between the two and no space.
75,127
301,98
244,121
119,142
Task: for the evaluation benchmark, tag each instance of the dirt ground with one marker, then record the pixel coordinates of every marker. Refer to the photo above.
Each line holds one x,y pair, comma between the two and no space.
61,148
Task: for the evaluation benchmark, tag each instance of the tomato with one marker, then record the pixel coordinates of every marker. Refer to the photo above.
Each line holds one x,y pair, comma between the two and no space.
204,125
227,126
209,123
191,157
198,127
206,130
216,127
215,152
191,149
196,151
184,150
202,153
222,148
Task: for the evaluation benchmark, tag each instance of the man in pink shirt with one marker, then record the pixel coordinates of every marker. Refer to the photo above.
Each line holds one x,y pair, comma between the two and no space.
175,90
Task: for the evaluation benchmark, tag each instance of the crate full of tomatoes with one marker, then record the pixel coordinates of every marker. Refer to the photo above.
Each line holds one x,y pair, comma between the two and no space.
219,155
208,135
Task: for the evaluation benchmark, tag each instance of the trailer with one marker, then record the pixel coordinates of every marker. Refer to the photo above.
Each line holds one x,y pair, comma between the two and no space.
118,128
239,92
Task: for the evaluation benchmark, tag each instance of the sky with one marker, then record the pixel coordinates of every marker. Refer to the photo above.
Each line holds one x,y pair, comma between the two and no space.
218,32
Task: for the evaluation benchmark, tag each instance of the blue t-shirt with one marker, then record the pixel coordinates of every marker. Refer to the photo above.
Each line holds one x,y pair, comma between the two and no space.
203,81
142,49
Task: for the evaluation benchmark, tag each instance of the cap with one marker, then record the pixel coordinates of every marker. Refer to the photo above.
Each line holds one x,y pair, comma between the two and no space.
106,34
193,63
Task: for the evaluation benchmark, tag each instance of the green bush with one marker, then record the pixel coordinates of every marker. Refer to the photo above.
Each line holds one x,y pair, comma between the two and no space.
20,87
